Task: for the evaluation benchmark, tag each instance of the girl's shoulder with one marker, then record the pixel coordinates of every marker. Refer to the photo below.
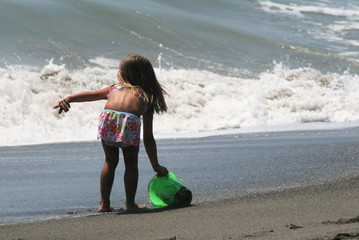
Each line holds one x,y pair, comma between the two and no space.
114,88
117,86
137,91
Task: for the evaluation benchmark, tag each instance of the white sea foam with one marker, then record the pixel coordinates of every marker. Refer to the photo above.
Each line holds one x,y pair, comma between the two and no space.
199,100
339,26
317,7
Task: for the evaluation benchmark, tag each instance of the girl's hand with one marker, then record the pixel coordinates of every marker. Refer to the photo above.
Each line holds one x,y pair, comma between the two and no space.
162,171
64,105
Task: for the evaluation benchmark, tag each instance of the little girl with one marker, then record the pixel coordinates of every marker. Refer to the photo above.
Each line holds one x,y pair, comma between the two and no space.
137,94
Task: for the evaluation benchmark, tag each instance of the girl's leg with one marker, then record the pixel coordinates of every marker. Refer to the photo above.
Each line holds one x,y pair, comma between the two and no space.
130,155
107,176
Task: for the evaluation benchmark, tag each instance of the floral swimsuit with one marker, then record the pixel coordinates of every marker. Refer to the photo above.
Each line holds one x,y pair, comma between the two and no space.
120,129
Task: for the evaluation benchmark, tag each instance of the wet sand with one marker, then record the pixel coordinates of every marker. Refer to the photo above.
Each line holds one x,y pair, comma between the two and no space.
284,185
318,212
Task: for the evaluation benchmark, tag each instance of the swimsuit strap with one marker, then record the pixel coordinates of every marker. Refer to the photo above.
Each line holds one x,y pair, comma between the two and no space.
120,87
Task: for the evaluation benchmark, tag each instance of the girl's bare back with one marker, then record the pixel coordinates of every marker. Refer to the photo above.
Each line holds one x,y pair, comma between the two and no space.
125,101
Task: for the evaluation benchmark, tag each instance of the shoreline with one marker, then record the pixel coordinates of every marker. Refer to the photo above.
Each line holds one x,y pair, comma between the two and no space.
257,164
311,126
314,212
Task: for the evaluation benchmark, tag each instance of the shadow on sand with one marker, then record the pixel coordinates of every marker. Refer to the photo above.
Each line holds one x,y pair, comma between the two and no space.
150,210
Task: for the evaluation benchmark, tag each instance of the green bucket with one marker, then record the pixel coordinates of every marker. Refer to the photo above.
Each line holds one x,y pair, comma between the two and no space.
168,191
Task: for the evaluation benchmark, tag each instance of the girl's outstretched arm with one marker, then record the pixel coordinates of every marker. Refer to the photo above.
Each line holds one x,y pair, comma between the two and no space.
64,104
150,144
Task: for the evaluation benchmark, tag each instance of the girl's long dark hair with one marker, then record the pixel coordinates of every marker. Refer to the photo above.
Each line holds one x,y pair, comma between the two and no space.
137,71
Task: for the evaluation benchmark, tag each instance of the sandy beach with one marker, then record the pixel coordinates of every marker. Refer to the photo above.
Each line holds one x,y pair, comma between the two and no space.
283,185
327,211
262,123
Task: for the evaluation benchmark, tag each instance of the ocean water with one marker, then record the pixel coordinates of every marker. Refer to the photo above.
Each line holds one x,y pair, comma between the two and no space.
61,180
226,64
229,66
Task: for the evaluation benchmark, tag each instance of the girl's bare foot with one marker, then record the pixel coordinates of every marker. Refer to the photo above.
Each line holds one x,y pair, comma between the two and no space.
105,207
104,210
134,207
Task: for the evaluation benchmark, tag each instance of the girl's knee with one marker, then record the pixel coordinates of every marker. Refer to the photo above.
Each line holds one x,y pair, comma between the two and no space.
130,155
112,162
111,154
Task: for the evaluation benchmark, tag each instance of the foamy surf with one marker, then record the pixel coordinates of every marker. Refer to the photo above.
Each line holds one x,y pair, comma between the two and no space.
342,21
199,101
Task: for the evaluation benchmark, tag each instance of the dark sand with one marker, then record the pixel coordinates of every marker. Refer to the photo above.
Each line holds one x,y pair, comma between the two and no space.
318,212
285,185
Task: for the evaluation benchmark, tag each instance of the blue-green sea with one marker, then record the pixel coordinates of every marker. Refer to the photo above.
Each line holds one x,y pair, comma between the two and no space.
227,64
240,74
